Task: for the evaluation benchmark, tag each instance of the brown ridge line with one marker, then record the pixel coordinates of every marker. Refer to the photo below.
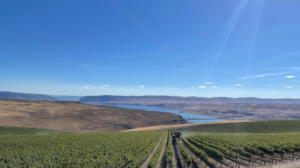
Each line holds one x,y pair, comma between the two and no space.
183,125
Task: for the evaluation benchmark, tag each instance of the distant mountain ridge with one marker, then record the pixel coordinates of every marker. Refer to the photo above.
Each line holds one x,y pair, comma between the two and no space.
27,96
66,98
177,99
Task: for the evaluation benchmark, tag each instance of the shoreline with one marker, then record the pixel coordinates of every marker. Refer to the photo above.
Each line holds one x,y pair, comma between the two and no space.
194,117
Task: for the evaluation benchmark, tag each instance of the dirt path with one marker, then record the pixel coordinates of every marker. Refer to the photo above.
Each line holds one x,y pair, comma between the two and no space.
176,157
294,164
180,158
145,165
183,125
160,160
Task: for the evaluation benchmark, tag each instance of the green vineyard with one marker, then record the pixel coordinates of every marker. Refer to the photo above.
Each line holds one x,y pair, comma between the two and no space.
182,147
249,144
78,150
28,131
245,149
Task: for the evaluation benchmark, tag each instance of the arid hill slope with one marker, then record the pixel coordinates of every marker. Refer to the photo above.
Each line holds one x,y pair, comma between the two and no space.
78,117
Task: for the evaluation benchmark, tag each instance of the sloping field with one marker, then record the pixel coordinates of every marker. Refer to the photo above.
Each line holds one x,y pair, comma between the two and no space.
197,148
79,150
244,149
245,144
78,117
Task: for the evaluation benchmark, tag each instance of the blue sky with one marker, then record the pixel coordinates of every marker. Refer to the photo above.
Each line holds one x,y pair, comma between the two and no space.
209,48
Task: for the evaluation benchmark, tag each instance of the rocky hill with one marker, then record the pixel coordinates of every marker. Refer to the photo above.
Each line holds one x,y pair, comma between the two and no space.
28,96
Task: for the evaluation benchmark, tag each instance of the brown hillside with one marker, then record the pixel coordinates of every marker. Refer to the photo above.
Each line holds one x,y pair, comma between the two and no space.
78,117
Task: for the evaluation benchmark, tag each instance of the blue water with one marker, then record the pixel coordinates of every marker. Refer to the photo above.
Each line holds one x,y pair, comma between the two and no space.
185,115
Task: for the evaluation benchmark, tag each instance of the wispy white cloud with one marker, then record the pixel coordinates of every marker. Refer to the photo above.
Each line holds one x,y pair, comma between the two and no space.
142,86
289,87
87,87
215,87
202,87
290,76
107,85
238,85
262,75
91,87
192,87
209,83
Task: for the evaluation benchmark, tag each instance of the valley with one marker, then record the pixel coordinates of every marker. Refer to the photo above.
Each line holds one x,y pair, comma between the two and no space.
223,108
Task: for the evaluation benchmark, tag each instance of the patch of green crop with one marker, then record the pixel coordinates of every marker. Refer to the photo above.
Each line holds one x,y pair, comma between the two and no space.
28,131
119,149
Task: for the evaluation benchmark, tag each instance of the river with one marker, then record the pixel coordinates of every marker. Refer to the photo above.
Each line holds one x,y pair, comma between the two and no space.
189,117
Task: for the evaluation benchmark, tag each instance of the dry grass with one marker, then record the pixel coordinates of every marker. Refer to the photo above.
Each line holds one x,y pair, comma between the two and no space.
183,125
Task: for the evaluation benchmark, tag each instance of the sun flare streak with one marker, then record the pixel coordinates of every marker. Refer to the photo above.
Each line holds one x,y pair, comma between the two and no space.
227,33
